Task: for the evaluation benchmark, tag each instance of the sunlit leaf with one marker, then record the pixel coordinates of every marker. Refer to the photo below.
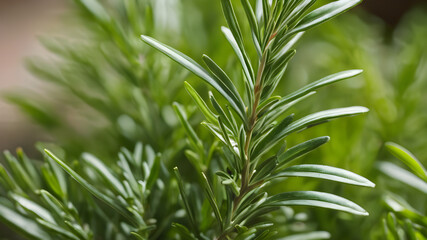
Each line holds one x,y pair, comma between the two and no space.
408,159
325,172
315,199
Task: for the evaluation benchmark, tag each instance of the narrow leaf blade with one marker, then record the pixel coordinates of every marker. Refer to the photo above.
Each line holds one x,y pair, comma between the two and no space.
324,13
407,158
91,188
315,199
199,71
325,172
322,82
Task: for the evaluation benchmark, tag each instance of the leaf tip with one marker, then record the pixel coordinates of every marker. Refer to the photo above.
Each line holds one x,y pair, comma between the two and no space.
358,71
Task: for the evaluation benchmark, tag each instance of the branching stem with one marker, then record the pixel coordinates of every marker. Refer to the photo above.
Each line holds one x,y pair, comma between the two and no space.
246,174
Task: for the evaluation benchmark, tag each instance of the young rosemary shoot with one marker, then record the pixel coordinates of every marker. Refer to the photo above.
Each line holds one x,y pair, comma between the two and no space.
255,128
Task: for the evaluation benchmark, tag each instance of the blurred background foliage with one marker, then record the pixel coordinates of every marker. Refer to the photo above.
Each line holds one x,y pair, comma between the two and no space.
107,90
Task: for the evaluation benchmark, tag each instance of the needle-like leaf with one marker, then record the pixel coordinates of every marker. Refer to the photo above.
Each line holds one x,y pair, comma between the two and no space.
109,201
209,115
323,14
315,199
320,83
408,159
25,226
184,198
198,70
325,172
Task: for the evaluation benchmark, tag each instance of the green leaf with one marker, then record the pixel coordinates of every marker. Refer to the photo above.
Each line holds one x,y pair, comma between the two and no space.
325,172
194,139
212,200
8,181
77,230
300,9
51,180
109,201
231,124
183,231
57,229
275,74
308,236
278,109
408,159
265,169
184,198
96,9
314,199
33,207
404,210
323,116
154,171
403,176
221,75
198,70
249,234
320,83
21,176
57,176
231,19
28,165
323,14
225,135
241,55
215,131
104,172
272,138
301,149
264,105
287,47
54,204
209,115
23,225
253,23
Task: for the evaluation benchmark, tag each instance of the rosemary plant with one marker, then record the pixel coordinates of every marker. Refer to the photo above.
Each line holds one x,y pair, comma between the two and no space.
42,203
252,126
234,172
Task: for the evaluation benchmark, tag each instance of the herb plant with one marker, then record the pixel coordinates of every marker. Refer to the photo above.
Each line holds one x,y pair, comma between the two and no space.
249,129
228,194
394,77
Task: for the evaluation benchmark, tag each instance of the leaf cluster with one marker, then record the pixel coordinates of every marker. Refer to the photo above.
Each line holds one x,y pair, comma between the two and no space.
403,221
228,195
252,126
49,205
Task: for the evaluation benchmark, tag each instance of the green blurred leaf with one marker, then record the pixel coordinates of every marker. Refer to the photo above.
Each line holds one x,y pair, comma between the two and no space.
308,236
403,175
184,199
408,159
23,225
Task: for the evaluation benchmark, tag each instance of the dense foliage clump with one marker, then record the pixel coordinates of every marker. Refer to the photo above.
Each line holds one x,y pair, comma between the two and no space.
156,173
